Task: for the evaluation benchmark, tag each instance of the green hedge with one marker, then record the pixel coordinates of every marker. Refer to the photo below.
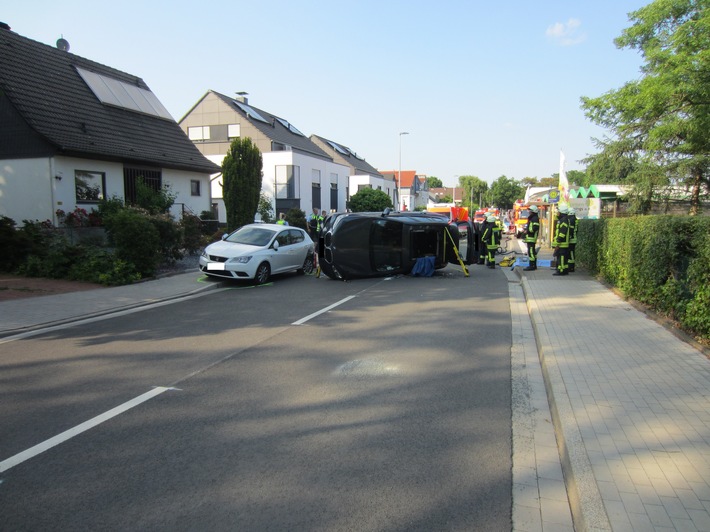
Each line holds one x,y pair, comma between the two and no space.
662,261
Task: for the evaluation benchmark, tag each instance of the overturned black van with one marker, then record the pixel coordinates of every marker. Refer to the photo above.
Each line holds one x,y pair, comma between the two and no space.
368,244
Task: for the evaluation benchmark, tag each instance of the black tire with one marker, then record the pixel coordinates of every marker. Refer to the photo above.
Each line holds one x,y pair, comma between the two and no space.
263,272
307,265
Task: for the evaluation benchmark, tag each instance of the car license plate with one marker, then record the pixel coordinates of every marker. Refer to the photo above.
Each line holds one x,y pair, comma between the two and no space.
215,265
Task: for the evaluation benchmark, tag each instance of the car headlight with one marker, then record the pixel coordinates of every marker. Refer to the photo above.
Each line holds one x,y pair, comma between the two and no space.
204,254
241,260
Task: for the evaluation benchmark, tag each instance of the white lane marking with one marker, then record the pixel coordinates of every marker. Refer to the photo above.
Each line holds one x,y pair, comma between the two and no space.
326,309
86,425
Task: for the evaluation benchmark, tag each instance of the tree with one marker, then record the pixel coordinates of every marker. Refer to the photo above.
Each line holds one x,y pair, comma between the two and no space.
474,189
662,119
504,192
434,182
265,209
369,200
241,182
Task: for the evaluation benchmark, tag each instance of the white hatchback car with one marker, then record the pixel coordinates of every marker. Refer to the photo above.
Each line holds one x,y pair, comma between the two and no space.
256,251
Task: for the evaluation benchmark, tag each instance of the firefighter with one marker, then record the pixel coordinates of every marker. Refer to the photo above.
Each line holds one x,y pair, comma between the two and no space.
531,234
573,224
491,239
561,242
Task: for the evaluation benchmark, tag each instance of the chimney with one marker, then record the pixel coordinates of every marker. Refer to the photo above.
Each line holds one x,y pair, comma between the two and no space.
242,97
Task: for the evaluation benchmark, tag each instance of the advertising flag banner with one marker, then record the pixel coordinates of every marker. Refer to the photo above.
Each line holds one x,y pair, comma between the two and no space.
563,185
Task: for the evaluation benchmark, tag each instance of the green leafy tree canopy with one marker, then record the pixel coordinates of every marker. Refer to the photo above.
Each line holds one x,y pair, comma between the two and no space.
662,119
369,200
504,191
434,182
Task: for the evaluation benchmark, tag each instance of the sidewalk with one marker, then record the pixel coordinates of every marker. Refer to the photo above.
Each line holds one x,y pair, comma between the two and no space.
629,401
29,314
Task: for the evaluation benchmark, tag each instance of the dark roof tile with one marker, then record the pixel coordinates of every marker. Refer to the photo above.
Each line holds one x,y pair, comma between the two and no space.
43,85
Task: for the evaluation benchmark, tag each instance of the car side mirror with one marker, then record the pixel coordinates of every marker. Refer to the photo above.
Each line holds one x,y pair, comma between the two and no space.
275,245
224,236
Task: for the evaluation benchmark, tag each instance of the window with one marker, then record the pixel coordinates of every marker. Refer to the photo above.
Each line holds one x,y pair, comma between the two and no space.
198,133
386,245
234,131
296,236
151,177
90,186
288,182
195,187
315,177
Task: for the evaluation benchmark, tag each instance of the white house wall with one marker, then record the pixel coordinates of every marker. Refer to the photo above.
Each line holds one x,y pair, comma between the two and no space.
180,185
306,164
65,190
26,189
34,189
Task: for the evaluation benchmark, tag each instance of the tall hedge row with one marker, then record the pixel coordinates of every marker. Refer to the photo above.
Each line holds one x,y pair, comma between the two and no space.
662,261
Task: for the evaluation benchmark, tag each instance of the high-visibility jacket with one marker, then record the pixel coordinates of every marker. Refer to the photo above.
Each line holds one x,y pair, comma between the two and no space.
573,224
316,222
491,234
533,229
562,232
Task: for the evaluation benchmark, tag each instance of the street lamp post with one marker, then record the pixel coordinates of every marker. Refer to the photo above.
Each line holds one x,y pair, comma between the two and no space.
399,176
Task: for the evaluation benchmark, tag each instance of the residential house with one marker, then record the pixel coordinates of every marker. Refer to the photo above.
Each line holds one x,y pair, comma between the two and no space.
73,132
296,172
414,189
362,173
455,193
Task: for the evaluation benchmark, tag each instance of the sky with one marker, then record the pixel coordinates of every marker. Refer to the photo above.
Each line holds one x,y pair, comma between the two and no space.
482,88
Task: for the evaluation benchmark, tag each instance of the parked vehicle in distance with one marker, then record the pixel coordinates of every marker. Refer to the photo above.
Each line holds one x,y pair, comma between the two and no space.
353,245
257,251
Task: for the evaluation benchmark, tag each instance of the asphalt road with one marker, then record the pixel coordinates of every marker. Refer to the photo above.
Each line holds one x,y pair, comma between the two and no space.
307,404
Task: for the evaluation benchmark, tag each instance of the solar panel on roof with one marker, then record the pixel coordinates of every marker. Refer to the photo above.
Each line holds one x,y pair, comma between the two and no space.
118,93
250,111
289,126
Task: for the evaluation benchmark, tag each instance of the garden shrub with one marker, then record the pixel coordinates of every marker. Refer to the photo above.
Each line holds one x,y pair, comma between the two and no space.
170,237
297,218
15,245
102,266
191,233
136,240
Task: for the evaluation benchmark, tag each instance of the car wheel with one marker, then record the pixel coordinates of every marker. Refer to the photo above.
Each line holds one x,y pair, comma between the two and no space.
263,272
307,266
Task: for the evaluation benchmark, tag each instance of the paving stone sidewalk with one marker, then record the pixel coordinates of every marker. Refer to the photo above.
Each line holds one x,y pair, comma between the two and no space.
631,405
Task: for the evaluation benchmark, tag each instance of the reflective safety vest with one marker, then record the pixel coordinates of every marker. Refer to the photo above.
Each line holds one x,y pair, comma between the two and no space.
533,228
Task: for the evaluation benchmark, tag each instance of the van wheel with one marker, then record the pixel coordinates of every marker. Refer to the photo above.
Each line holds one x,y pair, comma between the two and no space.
263,272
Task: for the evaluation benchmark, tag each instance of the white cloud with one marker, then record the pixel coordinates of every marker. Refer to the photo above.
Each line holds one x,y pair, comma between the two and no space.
566,34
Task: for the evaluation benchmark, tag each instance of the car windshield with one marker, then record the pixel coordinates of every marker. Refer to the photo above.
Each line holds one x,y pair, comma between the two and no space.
252,236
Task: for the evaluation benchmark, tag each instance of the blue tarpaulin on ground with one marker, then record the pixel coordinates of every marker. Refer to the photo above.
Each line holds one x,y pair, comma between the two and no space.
424,267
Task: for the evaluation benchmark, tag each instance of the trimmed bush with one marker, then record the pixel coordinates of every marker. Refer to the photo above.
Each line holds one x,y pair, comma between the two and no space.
662,261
